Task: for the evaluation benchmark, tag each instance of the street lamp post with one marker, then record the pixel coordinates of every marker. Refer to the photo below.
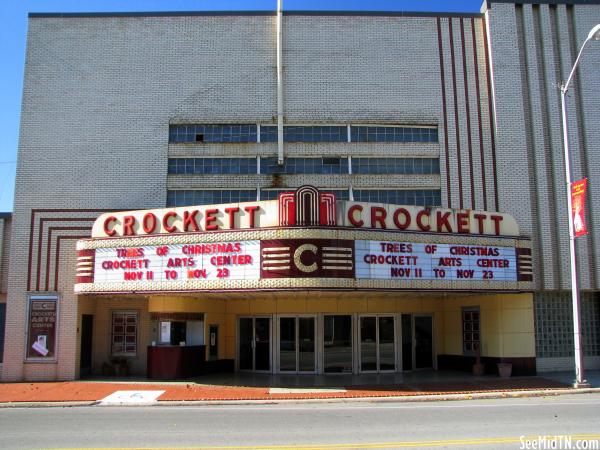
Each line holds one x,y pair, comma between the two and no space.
579,368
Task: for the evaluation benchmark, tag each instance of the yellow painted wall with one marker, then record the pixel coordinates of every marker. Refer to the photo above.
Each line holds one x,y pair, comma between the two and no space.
507,327
507,324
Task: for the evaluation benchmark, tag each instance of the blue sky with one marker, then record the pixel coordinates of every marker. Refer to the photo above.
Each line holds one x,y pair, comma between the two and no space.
13,29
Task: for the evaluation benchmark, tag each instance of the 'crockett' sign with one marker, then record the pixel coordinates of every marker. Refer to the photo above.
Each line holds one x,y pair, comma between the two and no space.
304,207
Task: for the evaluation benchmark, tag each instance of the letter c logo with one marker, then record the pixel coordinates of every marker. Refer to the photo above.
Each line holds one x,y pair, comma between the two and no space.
298,254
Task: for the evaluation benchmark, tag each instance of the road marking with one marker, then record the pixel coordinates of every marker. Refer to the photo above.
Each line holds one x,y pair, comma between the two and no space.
404,444
305,390
122,397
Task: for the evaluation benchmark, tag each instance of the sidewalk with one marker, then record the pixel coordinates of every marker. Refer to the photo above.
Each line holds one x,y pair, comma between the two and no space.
434,387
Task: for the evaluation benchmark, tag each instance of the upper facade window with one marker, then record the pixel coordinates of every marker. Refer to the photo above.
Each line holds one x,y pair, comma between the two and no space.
416,197
235,133
292,133
390,166
332,165
212,133
393,134
212,166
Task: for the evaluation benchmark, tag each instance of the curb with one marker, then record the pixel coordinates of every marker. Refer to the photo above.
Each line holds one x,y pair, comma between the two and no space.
388,399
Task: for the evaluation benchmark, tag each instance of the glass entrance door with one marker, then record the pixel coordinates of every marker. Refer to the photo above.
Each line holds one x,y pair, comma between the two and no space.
254,343
297,339
423,341
377,344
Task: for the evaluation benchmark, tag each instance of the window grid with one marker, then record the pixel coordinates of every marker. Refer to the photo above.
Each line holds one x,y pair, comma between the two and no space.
124,333
401,166
212,133
209,197
212,166
334,165
554,324
393,134
293,133
273,194
471,331
415,197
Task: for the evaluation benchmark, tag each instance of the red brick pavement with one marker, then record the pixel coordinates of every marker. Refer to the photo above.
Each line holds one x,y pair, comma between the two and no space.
69,391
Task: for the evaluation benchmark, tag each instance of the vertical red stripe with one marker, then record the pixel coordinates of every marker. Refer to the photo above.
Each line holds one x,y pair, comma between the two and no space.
491,109
480,124
30,263
444,110
468,111
457,123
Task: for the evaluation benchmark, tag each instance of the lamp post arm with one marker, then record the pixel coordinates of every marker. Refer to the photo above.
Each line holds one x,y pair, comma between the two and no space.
565,87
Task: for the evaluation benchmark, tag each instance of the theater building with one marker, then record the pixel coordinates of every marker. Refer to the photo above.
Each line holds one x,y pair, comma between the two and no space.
304,193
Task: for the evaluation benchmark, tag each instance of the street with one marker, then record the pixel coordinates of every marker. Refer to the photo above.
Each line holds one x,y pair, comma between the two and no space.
452,424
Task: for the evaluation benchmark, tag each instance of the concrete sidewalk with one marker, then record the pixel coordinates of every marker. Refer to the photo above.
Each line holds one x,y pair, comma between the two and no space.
435,387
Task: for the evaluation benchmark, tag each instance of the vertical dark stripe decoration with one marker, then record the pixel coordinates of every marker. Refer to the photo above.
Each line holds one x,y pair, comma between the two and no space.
444,110
457,123
491,110
479,122
468,110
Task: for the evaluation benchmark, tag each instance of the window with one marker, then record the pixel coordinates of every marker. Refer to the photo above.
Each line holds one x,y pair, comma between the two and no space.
413,197
209,197
334,165
305,133
212,166
273,194
401,166
393,134
124,333
471,331
179,134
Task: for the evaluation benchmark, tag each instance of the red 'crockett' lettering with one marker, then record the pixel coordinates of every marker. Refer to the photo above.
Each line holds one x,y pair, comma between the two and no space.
149,223
480,218
251,210
107,226
165,222
209,218
189,218
378,215
232,212
497,220
128,223
357,223
442,221
462,222
406,214
422,226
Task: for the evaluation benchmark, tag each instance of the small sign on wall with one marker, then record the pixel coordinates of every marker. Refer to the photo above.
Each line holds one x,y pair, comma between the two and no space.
41,328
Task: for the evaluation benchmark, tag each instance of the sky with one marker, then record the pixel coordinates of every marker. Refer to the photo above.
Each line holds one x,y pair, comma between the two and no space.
13,30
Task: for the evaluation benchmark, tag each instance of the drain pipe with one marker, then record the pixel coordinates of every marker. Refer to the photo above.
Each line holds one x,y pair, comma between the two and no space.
279,86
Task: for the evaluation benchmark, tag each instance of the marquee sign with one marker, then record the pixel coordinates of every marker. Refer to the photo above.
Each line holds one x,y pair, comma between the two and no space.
339,241
303,258
224,260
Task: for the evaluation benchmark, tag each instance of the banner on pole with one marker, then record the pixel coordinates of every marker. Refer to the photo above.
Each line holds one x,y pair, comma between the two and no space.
578,189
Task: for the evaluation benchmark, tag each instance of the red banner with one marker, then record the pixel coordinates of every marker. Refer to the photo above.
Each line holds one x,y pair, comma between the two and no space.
578,189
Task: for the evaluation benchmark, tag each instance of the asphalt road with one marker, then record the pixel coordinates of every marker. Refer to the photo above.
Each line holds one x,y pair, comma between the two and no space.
486,424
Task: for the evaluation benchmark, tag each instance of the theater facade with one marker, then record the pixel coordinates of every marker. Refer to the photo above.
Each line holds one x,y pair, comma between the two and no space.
308,284
300,192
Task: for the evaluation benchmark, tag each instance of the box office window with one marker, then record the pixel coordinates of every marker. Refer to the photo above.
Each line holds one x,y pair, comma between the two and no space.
471,331
124,333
